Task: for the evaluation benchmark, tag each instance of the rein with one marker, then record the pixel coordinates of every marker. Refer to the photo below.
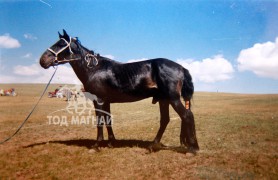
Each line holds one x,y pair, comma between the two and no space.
31,112
87,58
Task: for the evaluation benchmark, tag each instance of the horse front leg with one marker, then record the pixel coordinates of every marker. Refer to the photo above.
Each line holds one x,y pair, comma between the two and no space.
103,116
100,123
164,120
108,123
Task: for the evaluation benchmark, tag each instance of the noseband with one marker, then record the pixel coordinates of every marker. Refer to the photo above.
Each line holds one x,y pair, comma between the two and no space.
56,61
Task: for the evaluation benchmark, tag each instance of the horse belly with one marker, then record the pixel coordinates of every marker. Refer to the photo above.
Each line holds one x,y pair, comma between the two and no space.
131,96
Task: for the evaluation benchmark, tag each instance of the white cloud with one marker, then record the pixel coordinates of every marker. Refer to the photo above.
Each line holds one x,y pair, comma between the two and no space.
36,74
209,70
27,70
30,36
261,59
65,75
136,60
46,3
28,55
6,41
109,56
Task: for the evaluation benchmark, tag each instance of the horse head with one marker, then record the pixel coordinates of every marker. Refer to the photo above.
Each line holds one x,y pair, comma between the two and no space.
66,49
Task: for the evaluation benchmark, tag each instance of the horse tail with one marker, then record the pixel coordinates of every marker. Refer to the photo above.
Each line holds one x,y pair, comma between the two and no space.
187,86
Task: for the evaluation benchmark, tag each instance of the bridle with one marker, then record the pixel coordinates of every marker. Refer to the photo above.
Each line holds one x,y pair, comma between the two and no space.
87,58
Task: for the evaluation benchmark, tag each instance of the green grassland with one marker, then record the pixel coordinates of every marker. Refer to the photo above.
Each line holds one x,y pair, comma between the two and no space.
237,134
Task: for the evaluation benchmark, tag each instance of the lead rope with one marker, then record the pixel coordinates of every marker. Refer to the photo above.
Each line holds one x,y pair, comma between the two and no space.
21,125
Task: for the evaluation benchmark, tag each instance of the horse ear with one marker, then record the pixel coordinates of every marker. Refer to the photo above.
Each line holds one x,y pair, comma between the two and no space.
66,36
60,36
65,32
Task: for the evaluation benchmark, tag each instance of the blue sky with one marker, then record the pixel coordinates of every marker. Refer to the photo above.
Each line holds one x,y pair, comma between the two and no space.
228,46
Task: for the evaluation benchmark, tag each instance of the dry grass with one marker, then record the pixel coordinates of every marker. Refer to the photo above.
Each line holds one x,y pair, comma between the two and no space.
237,135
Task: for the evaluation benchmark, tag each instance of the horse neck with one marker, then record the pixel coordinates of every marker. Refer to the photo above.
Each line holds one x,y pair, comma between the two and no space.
81,71
84,72
80,67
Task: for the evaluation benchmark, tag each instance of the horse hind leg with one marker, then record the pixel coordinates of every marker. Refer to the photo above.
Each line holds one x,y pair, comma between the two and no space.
188,132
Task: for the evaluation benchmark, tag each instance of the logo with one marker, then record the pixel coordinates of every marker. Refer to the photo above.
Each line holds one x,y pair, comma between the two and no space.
80,109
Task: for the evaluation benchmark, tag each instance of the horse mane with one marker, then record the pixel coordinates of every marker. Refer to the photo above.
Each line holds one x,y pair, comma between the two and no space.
81,47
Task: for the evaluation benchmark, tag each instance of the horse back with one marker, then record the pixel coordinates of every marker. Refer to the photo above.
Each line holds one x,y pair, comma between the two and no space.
127,82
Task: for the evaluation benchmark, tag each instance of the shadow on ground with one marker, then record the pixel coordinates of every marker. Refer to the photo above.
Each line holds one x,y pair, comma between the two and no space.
123,143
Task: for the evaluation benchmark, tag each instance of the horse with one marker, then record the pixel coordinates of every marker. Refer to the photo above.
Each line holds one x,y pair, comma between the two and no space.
8,92
115,82
64,92
82,103
2,92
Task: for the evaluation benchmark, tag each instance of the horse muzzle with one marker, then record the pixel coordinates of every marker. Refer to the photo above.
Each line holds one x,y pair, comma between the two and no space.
47,60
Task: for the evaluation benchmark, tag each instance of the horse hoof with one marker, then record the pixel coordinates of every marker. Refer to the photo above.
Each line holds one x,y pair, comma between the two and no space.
95,148
189,154
192,150
155,147
110,145
92,151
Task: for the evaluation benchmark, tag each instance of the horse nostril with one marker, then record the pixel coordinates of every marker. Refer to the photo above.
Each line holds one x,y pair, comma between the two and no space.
42,59
42,62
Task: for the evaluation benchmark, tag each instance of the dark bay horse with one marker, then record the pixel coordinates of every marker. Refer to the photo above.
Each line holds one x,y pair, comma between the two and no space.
113,82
